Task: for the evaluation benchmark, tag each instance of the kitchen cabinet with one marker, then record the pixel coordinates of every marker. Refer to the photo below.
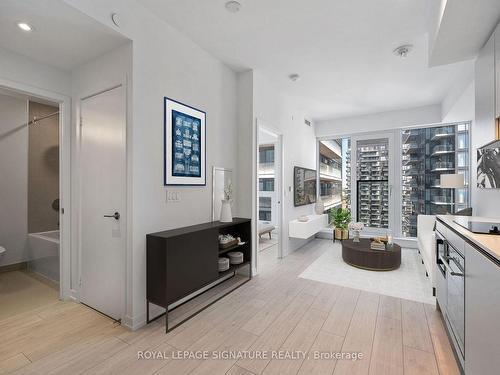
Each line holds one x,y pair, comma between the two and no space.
482,313
468,294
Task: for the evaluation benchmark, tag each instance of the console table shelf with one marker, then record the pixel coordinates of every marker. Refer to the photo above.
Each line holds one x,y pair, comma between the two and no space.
182,264
233,248
233,268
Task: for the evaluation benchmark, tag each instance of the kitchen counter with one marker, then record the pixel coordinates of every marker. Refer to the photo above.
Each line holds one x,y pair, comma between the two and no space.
489,243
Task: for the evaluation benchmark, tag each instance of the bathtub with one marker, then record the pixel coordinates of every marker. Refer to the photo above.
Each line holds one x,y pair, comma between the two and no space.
43,254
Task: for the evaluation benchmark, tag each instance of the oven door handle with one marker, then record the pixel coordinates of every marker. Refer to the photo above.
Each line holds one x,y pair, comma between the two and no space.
459,266
452,273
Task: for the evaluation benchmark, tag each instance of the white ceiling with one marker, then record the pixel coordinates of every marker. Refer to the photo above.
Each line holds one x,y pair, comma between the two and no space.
63,37
342,49
464,26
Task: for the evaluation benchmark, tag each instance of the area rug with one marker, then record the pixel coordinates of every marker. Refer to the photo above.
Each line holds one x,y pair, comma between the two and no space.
408,282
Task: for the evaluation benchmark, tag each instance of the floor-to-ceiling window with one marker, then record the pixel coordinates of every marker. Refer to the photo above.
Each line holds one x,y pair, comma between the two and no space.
427,154
372,182
422,156
335,173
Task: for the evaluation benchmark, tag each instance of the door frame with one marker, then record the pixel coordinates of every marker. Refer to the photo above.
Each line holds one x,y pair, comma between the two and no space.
78,196
65,183
279,171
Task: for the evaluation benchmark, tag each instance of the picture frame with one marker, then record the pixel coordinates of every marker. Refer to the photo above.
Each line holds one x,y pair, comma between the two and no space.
488,166
304,186
184,145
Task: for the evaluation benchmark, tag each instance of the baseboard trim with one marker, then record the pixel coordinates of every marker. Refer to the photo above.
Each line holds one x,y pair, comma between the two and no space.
14,267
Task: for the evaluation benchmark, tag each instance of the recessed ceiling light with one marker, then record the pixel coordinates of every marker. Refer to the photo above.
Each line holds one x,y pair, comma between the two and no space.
403,51
25,26
233,6
294,77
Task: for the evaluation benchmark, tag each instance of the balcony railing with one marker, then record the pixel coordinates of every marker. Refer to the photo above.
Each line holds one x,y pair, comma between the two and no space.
329,170
266,168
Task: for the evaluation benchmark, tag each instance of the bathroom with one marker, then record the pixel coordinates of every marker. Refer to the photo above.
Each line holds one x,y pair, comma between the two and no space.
29,203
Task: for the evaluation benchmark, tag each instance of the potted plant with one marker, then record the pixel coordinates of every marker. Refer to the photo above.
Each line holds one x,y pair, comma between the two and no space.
341,218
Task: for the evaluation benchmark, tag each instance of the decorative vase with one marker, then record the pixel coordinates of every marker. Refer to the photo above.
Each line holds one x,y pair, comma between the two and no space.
355,236
225,212
319,207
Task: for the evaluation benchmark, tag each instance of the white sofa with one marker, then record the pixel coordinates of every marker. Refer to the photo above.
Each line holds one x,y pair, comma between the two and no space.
427,245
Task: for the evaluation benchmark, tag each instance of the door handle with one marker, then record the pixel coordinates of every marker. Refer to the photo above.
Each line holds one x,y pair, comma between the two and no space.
116,216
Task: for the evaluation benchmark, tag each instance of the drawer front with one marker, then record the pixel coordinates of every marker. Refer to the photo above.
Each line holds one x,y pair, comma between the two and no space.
456,241
440,227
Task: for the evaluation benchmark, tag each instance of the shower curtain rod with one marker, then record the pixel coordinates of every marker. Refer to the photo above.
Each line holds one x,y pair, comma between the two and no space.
35,119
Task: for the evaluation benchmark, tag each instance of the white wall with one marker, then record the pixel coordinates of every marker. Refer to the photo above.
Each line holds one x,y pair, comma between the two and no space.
166,63
286,115
461,107
245,204
380,121
14,179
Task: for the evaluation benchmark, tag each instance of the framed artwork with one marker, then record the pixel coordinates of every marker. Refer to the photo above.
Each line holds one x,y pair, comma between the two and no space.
304,186
184,145
488,166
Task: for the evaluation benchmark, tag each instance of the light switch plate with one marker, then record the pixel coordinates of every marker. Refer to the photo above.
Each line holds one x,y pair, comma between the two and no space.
173,196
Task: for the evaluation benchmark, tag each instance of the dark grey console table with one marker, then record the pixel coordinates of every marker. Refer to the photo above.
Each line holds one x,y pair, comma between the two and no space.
182,261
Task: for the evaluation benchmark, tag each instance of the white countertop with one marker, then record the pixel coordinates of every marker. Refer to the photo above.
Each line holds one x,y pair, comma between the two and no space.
488,242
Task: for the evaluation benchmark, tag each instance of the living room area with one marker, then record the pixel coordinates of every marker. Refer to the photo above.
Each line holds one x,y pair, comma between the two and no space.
376,192
391,192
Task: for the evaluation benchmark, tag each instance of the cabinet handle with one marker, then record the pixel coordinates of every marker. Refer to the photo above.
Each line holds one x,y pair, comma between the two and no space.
457,263
452,273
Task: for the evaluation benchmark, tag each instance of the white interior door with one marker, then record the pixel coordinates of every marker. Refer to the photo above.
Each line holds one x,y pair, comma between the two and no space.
103,181
373,182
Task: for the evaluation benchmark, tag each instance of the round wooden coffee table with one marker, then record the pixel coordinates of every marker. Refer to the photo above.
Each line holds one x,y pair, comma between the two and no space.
359,254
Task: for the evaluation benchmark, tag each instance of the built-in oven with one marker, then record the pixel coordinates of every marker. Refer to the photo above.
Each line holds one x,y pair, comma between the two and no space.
455,281
441,253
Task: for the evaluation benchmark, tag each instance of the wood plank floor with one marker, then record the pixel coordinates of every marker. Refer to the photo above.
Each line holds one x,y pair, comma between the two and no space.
275,311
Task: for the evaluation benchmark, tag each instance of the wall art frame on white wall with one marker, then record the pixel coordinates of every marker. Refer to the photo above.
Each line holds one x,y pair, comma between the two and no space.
488,166
184,141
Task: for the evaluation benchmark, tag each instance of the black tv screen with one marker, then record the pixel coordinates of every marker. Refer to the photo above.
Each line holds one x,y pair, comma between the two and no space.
304,186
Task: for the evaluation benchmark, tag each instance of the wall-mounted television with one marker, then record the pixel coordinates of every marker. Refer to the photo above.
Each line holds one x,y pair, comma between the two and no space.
304,186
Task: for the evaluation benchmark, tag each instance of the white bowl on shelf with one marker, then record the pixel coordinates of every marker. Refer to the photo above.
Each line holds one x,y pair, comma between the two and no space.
223,264
235,257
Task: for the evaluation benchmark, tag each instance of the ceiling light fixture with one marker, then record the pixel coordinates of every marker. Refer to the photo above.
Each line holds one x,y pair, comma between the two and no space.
403,51
294,77
233,6
25,26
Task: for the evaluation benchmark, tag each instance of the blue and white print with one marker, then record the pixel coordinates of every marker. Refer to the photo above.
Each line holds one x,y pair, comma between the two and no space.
187,147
